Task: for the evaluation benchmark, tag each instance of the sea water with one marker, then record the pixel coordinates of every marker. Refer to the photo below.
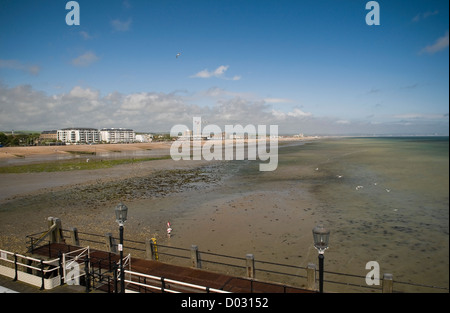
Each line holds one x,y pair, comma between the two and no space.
384,200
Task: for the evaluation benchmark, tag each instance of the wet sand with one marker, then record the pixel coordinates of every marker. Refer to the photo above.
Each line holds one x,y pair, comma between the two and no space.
82,199
26,152
217,213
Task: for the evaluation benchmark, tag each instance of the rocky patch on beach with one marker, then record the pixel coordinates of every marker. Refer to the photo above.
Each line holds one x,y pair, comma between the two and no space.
156,184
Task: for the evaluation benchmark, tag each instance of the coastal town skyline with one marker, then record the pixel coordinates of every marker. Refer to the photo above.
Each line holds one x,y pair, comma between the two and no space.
308,67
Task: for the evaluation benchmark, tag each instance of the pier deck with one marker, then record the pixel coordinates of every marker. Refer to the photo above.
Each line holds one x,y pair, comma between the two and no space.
104,260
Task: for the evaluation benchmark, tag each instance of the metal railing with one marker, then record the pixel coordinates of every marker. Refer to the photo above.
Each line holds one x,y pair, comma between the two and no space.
145,281
294,275
39,274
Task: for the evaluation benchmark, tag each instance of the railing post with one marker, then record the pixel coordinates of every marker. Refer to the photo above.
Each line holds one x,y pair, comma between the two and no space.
163,284
27,269
195,257
110,244
388,282
61,270
32,245
50,223
15,267
154,249
250,265
74,236
149,249
321,258
86,271
58,230
42,274
311,276
115,278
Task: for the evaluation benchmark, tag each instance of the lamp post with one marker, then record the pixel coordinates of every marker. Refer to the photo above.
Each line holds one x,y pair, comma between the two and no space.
321,237
121,216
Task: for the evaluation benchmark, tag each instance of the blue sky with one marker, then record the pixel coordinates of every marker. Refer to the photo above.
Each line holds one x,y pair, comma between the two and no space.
312,67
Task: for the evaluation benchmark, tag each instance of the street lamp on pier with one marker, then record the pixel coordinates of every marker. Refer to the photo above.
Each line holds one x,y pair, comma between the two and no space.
121,211
321,237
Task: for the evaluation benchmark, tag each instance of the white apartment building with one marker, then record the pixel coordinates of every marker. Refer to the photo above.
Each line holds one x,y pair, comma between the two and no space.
117,135
78,135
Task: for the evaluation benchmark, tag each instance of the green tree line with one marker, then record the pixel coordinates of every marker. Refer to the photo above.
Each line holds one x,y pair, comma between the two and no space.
18,139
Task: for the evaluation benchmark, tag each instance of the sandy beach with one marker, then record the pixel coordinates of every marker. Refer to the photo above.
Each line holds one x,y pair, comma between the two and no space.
26,152
36,151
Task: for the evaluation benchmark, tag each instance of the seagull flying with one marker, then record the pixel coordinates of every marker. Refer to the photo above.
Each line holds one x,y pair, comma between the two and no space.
178,54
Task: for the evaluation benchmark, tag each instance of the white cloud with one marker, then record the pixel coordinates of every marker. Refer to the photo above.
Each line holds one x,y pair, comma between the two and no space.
299,113
126,4
278,115
87,93
83,99
85,35
422,16
85,59
135,102
295,114
343,122
17,65
23,107
217,93
440,44
121,26
277,100
220,70
421,116
218,73
203,74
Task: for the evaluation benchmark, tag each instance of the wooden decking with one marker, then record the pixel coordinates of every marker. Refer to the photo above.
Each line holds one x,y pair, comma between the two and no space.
101,260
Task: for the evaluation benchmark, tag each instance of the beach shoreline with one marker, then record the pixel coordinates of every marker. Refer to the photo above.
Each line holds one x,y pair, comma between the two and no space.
34,151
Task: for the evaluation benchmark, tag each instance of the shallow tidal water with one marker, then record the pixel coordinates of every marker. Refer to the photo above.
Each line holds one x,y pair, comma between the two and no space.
384,200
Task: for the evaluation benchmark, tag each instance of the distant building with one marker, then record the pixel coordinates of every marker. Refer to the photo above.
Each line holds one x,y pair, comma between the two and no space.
144,138
48,135
78,135
117,135
186,135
